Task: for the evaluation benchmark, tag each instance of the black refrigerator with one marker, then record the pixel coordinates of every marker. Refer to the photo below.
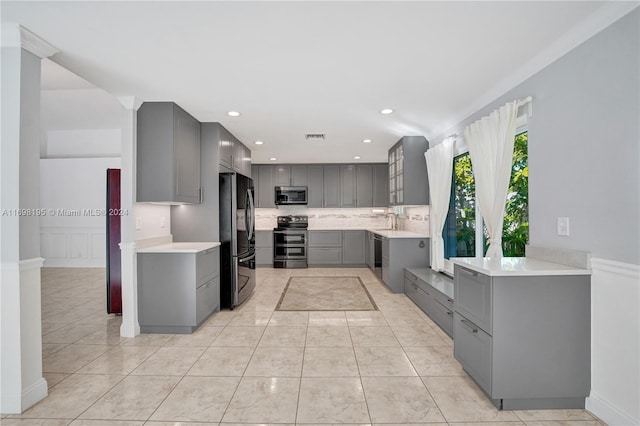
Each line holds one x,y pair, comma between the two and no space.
237,239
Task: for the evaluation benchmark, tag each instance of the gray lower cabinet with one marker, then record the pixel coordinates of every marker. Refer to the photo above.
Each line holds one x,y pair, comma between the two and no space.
177,291
168,154
433,293
324,248
525,339
399,253
353,248
335,248
264,248
371,252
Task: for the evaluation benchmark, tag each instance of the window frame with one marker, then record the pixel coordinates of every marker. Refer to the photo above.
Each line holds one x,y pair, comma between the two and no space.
461,148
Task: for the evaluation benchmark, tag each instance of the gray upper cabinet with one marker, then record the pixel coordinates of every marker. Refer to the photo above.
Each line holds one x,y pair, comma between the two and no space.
331,181
380,185
226,148
299,175
168,154
233,154
348,185
315,185
364,179
283,175
328,185
372,181
265,182
408,183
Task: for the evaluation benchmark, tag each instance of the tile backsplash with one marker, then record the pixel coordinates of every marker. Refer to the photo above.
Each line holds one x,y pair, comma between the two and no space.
414,219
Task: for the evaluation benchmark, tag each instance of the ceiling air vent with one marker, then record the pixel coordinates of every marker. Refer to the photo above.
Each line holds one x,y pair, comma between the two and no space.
314,136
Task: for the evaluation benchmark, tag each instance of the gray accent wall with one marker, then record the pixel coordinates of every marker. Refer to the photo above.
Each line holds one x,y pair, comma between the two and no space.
584,144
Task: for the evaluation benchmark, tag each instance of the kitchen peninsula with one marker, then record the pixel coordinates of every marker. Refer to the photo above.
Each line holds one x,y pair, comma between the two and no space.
522,329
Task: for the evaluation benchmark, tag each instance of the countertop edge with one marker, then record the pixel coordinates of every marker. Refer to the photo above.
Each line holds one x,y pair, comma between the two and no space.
564,270
196,247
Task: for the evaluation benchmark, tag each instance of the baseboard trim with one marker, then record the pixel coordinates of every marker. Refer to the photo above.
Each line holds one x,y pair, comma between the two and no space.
608,413
34,393
17,404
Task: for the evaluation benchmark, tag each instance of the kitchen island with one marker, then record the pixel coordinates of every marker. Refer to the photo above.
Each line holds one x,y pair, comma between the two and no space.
178,286
522,330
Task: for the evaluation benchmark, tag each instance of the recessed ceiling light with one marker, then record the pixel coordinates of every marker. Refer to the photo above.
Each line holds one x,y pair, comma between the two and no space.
273,158
259,142
357,157
367,141
386,111
233,114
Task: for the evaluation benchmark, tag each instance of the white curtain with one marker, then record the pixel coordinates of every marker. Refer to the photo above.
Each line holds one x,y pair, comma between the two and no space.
439,168
490,141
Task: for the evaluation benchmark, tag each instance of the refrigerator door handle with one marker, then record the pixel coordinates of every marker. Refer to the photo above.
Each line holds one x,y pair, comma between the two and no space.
250,214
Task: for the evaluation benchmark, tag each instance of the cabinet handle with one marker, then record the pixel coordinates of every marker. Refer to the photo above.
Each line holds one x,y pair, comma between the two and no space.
450,313
449,300
415,287
469,325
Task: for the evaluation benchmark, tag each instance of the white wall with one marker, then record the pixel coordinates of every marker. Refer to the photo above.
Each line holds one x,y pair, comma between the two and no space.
584,152
151,217
70,236
82,143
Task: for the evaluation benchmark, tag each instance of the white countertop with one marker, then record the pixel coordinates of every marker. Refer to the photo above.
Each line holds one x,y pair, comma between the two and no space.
388,233
180,248
517,266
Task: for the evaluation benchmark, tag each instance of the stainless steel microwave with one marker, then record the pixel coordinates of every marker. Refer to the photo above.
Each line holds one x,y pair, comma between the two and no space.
288,195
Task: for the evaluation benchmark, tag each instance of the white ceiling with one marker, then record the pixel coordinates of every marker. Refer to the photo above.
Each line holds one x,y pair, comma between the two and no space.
293,68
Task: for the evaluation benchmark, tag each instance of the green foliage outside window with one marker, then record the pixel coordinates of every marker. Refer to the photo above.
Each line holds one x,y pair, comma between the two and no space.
515,229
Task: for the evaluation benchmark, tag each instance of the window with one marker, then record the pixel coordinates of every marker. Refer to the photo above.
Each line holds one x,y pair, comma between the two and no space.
461,238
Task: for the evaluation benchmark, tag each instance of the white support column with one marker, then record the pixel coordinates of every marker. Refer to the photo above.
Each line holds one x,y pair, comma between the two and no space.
21,380
130,326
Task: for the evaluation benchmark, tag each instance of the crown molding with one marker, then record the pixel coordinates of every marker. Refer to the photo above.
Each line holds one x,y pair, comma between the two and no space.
130,102
608,14
36,44
15,35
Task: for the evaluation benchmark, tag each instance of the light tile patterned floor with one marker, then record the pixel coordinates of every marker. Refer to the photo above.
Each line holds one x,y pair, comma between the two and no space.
256,366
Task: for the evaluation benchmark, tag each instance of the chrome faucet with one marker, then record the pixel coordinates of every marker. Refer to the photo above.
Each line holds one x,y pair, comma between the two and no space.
394,220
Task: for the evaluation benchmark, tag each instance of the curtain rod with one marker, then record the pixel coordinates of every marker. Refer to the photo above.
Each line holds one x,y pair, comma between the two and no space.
521,102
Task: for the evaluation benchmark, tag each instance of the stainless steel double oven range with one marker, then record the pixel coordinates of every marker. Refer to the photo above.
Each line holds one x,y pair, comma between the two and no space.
290,242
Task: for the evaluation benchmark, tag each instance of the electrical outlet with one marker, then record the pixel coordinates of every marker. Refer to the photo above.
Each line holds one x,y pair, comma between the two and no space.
163,222
138,223
563,226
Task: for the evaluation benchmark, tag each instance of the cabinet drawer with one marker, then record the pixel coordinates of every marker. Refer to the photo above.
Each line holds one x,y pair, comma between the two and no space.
207,299
472,348
264,256
325,238
473,297
443,299
324,255
207,265
421,298
264,239
410,277
442,315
